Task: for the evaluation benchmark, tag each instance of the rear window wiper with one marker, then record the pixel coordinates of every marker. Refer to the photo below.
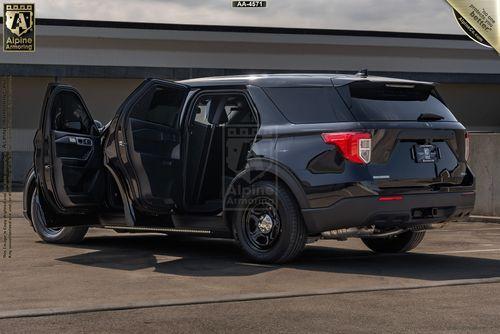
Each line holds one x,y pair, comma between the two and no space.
429,117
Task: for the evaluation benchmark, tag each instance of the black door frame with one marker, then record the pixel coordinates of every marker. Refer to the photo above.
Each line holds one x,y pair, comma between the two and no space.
116,154
189,117
44,150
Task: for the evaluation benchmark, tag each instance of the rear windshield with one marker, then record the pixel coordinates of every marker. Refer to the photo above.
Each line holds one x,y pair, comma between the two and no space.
394,102
310,104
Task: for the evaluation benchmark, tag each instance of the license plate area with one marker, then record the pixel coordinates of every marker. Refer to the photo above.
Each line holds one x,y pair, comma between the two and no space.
425,153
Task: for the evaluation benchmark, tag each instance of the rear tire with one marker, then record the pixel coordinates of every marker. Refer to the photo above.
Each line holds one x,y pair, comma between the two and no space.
61,235
398,243
268,224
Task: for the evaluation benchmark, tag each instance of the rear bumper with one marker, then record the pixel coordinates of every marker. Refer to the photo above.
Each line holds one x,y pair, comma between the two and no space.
413,209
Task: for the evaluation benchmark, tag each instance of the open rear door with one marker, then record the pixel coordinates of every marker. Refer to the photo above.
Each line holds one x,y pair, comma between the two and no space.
144,146
68,155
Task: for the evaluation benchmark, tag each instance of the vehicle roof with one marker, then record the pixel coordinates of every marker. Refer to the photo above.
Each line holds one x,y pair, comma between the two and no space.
291,80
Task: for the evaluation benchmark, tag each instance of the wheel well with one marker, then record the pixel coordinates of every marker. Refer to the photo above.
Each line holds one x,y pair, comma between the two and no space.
250,178
255,176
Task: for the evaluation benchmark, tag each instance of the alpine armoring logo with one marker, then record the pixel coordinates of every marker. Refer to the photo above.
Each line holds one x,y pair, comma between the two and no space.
19,27
469,30
479,20
237,142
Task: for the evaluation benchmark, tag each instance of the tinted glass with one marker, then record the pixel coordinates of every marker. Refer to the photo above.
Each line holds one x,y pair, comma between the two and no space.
202,110
382,102
69,114
159,105
310,104
233,109
238,111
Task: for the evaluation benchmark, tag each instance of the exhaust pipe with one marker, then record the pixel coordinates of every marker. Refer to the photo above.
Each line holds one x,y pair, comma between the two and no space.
358,232
344,233
372,232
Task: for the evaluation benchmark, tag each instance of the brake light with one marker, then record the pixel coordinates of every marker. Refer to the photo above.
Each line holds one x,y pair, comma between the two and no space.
354,146
390,198
467,146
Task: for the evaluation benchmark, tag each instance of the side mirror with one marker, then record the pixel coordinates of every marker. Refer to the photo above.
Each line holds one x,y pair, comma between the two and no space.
98,124
77,126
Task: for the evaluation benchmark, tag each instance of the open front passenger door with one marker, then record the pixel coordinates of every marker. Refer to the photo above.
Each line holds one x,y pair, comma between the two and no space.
68,155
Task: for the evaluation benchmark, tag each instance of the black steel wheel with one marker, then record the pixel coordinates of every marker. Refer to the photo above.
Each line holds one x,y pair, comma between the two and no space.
268,224
262,223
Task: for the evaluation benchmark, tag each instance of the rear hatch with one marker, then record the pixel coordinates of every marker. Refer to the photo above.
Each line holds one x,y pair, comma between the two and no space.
416,140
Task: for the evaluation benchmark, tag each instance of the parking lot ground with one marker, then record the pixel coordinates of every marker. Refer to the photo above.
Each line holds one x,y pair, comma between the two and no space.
457,309
146,279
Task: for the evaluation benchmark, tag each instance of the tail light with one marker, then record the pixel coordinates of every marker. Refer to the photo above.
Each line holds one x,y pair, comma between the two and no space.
355,146
390,198
467,146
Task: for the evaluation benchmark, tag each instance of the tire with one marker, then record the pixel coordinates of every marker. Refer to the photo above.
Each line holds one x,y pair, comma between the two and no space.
62,235
398,243
282,234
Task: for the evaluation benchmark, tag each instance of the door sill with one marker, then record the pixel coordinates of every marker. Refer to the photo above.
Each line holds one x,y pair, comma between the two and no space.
151,229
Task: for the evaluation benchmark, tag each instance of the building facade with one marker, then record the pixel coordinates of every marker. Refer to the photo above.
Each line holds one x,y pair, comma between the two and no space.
105,61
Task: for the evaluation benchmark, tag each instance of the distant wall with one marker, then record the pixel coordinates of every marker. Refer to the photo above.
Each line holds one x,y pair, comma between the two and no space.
103,96
485,163
477,106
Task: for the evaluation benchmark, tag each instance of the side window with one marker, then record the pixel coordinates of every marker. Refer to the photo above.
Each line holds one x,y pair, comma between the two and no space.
302,105
238,111
160,105
202,110
69,114
228,109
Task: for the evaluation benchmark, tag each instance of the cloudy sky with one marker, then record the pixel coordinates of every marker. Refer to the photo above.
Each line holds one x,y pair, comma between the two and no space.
390,15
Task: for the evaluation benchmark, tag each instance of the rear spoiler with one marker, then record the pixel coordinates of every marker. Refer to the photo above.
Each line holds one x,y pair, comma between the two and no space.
401,90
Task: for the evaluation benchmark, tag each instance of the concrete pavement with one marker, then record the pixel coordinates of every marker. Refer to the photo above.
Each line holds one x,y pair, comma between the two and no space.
471,309
182,279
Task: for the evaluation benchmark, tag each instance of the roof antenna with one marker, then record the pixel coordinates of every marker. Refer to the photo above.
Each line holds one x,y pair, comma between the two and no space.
363,73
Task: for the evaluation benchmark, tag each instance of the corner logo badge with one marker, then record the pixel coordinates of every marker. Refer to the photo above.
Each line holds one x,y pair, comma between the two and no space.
19,27
480,20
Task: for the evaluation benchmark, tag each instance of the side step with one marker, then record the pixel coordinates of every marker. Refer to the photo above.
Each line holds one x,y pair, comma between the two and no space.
147,229
212,226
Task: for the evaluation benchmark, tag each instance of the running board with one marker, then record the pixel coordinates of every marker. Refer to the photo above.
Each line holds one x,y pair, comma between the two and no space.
147,229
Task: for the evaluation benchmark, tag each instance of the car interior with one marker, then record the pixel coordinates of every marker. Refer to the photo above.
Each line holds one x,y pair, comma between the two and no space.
153,139
76,160
220,134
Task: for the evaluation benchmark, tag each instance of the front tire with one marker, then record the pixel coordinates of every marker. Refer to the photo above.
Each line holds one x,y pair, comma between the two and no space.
398,243
61,235
268,224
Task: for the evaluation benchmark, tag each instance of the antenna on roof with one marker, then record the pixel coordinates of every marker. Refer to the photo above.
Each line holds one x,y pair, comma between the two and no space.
363,73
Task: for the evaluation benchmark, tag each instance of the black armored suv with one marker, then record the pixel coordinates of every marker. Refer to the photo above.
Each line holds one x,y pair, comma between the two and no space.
273,161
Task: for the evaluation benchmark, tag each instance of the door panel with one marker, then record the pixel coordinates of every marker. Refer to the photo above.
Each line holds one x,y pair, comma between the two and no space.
154,150
143,147
68,154
77,169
